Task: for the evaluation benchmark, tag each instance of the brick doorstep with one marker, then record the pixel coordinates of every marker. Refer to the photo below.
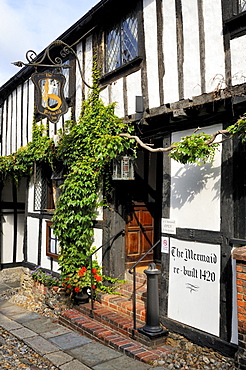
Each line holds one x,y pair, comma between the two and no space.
97,330
116,320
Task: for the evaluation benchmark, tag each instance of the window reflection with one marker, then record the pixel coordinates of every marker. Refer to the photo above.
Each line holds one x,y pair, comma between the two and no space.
122,43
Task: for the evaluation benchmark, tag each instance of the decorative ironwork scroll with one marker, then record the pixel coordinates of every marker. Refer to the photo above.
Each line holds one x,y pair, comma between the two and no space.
50,86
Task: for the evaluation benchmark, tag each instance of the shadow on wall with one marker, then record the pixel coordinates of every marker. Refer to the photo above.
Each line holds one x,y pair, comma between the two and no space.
190,180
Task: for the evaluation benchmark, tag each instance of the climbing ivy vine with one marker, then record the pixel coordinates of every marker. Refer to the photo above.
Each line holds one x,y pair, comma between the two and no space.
85,150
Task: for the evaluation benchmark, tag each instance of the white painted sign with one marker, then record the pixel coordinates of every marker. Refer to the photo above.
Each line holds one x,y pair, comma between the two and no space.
168,226
164,244
194,289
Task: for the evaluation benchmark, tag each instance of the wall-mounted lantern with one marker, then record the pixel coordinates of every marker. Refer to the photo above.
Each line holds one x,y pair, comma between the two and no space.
123,168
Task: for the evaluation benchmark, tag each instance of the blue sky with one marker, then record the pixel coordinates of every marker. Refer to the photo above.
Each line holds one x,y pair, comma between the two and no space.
33,24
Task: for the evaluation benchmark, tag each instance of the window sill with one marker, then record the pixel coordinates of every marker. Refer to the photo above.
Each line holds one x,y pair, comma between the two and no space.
237,25
126,69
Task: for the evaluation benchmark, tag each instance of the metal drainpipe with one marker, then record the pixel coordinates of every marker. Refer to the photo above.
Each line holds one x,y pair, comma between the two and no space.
152,327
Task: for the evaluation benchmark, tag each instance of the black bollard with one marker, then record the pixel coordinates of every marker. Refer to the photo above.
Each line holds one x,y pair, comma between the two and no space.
152,328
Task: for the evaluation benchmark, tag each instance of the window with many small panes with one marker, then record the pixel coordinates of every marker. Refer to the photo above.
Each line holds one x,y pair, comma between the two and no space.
121,43
52,244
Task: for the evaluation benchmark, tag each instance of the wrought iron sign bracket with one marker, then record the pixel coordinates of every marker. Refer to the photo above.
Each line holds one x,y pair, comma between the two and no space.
50,100
31,56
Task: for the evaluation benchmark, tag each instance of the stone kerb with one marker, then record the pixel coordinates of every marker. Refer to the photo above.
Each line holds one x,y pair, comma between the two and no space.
239,254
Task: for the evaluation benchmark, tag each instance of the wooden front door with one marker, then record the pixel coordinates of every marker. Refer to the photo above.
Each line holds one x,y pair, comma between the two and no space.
139,234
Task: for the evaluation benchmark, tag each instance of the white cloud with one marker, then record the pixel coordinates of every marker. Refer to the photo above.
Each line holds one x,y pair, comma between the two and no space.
34,24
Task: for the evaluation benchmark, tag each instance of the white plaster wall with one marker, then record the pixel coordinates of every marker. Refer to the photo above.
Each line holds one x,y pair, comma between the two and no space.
18,118
170,80
238,60
104,95
25,113
31,197
99,210
13,118
9,125
117,96
88,64
150,31
7,237
191,66
32,240
20,237
214,49
134,88
195,190
30,109
4,127
97,242
78,102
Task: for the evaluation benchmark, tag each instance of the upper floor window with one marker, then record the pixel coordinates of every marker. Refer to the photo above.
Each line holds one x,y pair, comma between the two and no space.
122,43
241,6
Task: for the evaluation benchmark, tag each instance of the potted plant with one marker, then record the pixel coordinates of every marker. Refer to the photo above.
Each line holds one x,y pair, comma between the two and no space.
80,283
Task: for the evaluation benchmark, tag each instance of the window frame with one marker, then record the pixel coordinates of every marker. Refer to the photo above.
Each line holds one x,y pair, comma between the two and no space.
42,180
134,64
119,28
49,237
234,21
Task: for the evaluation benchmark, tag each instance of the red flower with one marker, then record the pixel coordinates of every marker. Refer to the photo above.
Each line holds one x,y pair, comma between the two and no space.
63,284
69,286
83,268
81,273
93,286
98,278
77,289
94,271
67,278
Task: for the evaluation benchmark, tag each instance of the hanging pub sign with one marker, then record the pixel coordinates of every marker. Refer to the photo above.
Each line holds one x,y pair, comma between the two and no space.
50,100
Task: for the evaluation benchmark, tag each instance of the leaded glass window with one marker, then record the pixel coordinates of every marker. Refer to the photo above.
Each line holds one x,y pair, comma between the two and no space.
122,43
43,192
241,6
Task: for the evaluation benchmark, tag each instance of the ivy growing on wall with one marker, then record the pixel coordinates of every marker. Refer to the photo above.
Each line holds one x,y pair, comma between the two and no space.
85,150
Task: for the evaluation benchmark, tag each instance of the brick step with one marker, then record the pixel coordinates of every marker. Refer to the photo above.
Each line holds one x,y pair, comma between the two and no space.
93,329
140,277
123,304
127,290
116,320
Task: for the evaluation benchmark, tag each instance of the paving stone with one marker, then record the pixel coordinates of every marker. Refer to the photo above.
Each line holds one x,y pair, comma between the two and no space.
23,333
28,316
9,310
54,333
70,340
8,324
42,325
122,362
58,358
93,353
74,365
40,345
